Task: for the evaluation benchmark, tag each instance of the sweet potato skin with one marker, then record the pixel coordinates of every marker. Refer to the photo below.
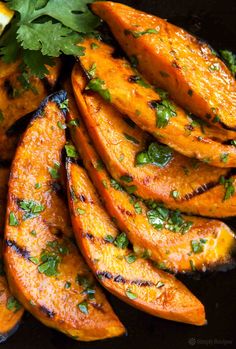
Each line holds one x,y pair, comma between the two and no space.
47,297
194,76
136,101
133,283
9,319
190,179
17,101
135,223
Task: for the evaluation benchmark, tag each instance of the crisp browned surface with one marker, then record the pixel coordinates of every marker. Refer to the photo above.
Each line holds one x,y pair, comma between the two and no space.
186,61
8,318
172,249
46,297
15,102
191,179
134,100
172,301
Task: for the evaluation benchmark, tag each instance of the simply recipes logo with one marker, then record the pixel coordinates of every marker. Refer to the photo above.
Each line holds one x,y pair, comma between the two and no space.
209,341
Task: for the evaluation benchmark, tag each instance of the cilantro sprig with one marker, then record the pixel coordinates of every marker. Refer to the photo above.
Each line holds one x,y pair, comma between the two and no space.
43,29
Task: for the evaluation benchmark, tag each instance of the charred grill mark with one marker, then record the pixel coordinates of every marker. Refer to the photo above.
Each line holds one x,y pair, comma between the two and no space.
49,313
57,188
153,104
8,88
129,122
124,211
133,78
104,274
200,190
88,236
142,283
82,198
18,249
175,64
121,279
97,306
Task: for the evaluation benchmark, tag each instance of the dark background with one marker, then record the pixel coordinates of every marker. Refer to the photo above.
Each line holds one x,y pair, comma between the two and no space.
215,21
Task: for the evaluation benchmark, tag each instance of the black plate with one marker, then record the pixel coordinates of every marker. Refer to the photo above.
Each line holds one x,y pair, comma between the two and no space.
213,20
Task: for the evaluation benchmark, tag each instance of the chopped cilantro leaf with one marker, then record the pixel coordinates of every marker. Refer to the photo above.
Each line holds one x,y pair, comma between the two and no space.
137,34
83,307
50,29
71,151
229,187
130,294
164,111
131,258
97,85
230,60
198,246
131,138
121,241
31,208
13,221
13,304
116,185
51,257
156,154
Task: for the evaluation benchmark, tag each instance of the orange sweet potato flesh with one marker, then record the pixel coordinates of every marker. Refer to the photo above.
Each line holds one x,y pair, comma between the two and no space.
136,283
17,101
138,102
176,61
190,179
163,246
9,319
53,298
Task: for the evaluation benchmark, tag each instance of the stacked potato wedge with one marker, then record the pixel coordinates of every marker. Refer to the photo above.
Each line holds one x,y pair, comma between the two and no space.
140,181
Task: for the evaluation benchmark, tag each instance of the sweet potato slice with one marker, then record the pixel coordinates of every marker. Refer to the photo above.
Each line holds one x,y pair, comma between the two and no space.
10,310
138,283
119,84
172,249
173,59
44,268
121,142
19,95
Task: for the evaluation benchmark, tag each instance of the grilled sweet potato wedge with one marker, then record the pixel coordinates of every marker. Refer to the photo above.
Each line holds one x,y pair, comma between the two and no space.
174,248
176,184
19,96
119,84
171,58
44,268
10,310
136,282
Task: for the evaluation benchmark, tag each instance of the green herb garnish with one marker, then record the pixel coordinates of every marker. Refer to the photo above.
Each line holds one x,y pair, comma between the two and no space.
156,154
83,307
71,151
13,304
116,185
130,294
164,111
229,187
31,208
230,60
121,241
137,34
97,85
160,217
131,138
13,221
197,246
41,30
51,257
